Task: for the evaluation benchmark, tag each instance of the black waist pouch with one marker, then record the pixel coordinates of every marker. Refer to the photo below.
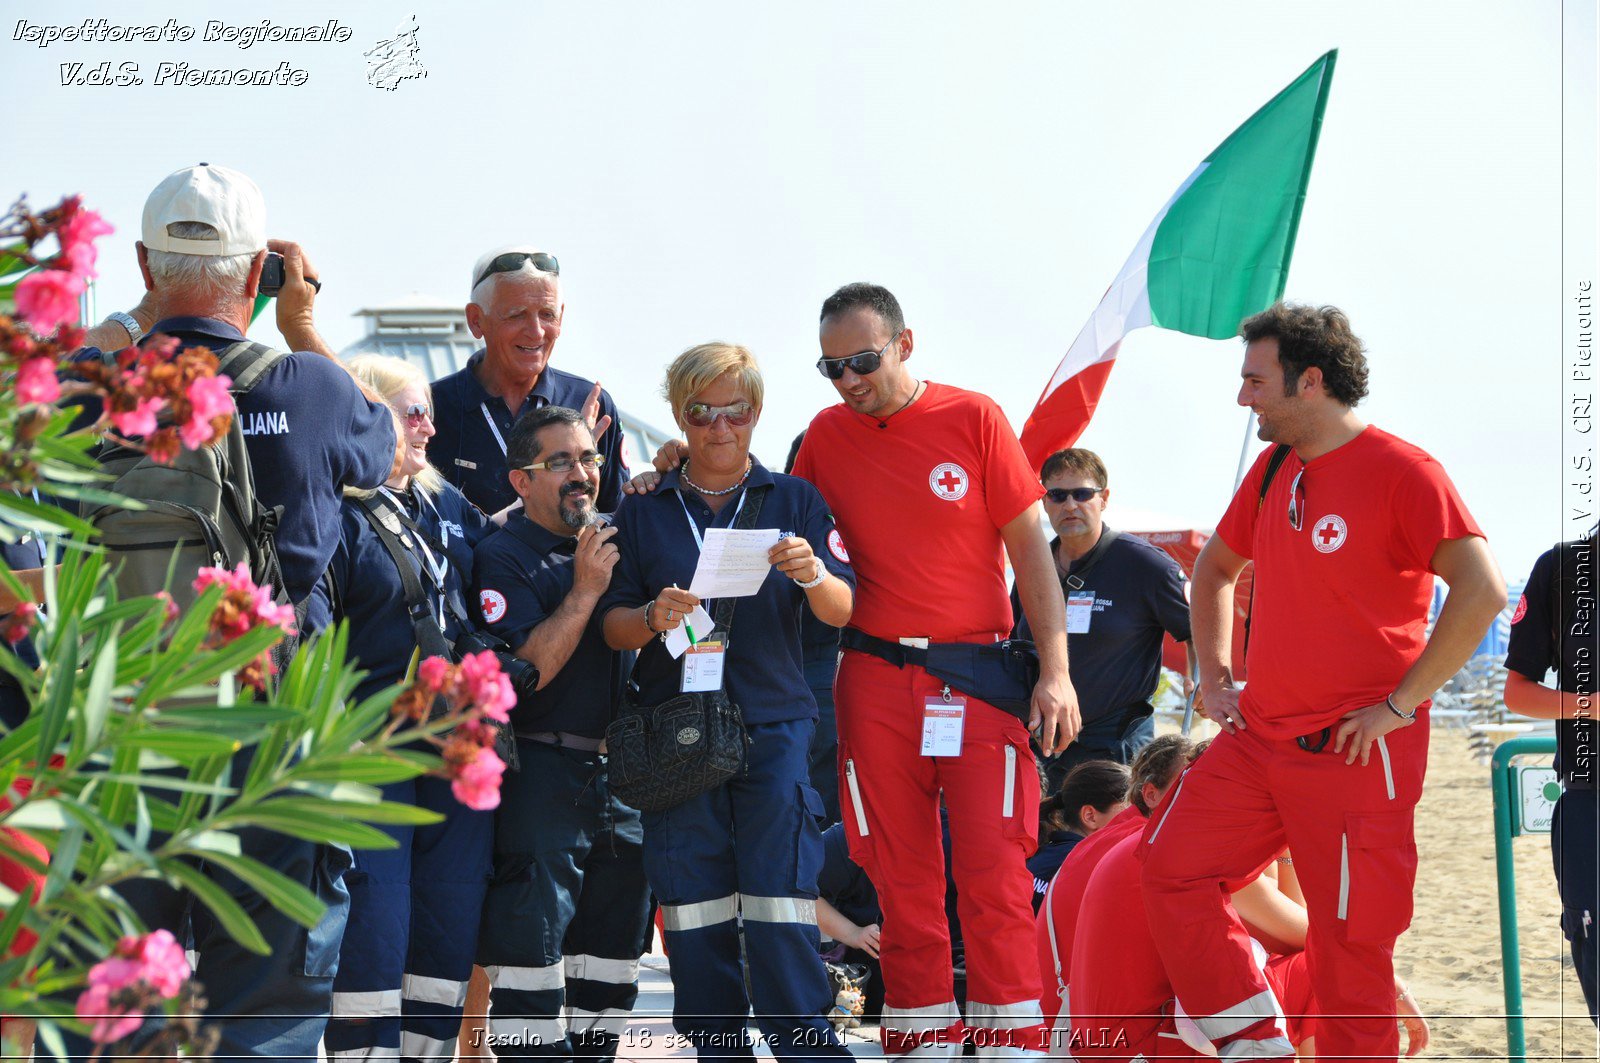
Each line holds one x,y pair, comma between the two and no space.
1000,673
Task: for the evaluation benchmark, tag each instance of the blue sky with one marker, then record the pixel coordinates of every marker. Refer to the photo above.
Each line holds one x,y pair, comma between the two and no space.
713,170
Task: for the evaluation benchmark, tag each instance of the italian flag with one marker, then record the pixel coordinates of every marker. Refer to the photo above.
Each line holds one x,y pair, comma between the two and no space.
1216,253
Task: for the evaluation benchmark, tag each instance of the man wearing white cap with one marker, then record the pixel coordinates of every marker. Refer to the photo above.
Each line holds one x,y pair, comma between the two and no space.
309,432
516,309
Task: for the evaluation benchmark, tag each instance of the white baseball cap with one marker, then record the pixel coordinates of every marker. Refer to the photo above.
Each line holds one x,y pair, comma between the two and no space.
224,199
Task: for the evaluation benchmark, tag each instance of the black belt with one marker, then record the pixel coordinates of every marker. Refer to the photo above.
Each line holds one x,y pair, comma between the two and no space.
564,739
896,653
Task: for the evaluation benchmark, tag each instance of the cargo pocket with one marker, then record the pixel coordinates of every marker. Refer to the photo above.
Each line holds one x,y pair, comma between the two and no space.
808,841
323,940
1575,924
1377,872
858,833
1019,796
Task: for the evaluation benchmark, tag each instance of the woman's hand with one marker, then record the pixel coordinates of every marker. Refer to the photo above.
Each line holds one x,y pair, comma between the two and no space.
794,558
670,607
865,938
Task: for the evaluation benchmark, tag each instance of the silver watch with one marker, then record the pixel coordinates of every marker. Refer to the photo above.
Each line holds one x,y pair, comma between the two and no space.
129,322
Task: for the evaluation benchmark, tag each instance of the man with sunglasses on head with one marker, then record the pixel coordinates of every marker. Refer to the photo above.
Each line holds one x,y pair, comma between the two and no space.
932,491
1122,596
566,915
517,311
1324,751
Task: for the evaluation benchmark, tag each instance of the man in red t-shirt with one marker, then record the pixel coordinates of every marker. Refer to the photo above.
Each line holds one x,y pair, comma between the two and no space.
931,489
1319,751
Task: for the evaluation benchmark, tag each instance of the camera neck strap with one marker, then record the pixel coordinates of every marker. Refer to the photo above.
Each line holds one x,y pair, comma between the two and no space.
388,522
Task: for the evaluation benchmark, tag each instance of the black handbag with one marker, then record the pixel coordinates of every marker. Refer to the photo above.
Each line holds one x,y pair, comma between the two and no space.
659,756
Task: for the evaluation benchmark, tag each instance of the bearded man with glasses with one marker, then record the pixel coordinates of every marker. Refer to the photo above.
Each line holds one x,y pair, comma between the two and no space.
931,490
1324,751
517,311
1122,596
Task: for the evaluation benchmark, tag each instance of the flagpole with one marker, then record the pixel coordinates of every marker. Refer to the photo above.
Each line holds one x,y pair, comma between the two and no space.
1244,452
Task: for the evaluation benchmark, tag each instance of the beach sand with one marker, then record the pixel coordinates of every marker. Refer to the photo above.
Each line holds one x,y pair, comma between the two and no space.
1451,954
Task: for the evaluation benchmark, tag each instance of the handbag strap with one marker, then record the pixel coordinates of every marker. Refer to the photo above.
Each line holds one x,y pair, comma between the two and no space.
1085,564
385,518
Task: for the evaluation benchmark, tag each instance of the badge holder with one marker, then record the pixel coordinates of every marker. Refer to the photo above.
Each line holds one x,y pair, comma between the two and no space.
943,717
703,664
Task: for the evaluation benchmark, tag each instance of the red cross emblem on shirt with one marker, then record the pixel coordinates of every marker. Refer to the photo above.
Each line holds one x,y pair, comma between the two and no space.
1330,534
949,481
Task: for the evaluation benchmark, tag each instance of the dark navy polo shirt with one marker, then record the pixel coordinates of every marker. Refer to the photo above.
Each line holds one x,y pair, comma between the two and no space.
843,883
1559,604
457,527
367,590
1116,665
310,433
1044,864
763,674
524,573
473,457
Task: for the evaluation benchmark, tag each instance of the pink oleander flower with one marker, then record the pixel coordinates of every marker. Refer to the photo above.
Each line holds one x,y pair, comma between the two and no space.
36,380
170,607
140,972
432,674
487,687
269,612
209,397
476,782
83,227
139,421
79,260
106,1022
15,627
162,961
48,298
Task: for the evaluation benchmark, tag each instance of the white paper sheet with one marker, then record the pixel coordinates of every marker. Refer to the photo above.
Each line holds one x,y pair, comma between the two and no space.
678,638
733,562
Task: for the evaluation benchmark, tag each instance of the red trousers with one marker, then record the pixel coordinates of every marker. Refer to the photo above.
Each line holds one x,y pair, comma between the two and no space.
889,799
1350,830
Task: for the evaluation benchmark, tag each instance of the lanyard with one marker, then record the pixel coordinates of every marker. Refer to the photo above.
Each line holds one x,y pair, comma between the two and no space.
498,438
436,567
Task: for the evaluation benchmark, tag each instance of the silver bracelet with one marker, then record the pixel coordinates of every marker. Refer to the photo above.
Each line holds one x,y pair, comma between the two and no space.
1389,701
822,574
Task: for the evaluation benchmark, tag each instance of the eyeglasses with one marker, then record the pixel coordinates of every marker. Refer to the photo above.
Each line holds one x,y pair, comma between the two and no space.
512,261
418,412
591,461
1297,502
862,364
1080,495
699,415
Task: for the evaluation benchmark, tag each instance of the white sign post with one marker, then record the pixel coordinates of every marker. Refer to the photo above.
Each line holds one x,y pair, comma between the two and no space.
1537,791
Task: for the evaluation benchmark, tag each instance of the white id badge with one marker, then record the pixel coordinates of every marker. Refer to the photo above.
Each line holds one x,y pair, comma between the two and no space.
942,719
702,666
1080,610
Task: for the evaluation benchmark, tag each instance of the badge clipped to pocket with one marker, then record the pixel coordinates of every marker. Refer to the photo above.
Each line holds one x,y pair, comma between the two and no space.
942,719
702,666
1080,610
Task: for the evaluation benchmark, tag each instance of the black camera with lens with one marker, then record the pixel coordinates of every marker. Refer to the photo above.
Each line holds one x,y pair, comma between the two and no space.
523,675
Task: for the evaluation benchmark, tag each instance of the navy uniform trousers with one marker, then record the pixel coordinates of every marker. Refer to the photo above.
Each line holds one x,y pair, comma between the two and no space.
407,952
568,909
748,849
1576,852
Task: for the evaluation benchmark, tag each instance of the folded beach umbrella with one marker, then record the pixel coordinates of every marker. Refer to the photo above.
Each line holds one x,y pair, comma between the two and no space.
1216,253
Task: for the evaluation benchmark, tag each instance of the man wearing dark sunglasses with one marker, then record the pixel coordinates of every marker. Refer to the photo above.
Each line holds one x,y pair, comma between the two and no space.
932,491
1123,595
517,311
1322,751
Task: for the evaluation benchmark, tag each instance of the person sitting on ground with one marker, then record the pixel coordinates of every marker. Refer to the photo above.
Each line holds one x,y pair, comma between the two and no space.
1090,797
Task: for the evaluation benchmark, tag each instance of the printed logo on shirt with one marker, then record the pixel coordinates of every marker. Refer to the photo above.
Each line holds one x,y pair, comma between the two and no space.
272,423
1329,533
836,546
493,605
949,481
1522,609
448,526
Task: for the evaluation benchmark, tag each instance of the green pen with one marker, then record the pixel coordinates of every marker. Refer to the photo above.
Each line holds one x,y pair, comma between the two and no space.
687,630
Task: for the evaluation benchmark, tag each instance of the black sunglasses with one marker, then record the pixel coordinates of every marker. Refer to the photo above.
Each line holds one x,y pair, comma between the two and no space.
512,261
1080,495
862,364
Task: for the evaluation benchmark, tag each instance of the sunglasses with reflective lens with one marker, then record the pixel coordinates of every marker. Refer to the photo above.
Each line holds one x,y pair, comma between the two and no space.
699,415
512,261
590,461
863,364
1297,502
418,412
1080,495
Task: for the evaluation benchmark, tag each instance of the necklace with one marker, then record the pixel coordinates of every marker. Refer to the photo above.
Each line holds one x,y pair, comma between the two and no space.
883,422
748,465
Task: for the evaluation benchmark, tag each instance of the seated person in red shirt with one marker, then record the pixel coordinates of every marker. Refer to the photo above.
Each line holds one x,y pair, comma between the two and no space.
1091,796
1154,770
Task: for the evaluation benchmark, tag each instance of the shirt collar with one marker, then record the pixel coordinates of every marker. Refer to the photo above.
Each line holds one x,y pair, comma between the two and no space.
208,326
543,388
539,537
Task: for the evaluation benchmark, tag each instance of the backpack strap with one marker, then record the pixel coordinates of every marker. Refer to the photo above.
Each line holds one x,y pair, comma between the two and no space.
246,362
383,515
1280,454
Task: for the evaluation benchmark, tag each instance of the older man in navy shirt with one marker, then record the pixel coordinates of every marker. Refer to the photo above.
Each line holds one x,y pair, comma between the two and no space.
310,432
516,309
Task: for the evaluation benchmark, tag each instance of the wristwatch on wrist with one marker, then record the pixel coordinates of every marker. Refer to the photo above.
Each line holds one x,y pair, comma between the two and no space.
129,322
822,574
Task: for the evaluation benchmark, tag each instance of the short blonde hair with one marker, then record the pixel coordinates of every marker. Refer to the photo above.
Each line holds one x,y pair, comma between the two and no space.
699,367
390,376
